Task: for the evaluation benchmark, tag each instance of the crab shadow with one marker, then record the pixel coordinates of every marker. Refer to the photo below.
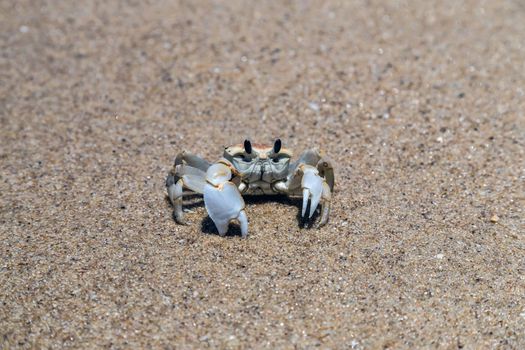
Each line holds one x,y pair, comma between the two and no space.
207,226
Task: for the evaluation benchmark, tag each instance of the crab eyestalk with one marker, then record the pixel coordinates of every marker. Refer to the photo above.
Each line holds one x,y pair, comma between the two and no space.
277,146
248,146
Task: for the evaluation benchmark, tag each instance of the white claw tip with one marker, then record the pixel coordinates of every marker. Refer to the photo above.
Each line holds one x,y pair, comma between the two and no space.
306,196
312,210
243,220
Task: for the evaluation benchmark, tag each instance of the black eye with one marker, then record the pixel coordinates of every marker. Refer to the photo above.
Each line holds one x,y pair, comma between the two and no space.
277,146
248,146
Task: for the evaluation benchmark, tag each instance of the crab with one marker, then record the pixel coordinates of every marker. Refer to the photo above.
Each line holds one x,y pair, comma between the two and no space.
251,169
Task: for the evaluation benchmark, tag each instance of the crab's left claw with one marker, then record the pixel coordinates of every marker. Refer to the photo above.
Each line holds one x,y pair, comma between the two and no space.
223,200
316,190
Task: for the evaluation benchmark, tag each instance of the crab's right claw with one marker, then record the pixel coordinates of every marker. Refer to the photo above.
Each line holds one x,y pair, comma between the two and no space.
223,200
316,190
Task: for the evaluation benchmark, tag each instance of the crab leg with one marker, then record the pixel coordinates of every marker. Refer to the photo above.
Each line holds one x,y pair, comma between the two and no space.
175,194
183,176
188,172
192,160
223,200
325,203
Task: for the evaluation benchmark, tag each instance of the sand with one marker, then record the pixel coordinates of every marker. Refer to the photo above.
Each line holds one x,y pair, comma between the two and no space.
420,105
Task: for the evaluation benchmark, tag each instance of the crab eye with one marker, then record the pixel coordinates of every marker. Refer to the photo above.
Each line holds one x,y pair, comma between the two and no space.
248,146
277,146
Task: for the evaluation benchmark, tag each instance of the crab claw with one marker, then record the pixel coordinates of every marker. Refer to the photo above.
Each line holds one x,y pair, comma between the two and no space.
312,185
223,200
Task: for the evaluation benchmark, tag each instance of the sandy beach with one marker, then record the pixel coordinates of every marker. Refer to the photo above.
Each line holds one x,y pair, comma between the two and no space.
419,104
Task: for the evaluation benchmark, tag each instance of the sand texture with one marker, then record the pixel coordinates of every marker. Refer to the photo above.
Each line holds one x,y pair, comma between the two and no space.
419,103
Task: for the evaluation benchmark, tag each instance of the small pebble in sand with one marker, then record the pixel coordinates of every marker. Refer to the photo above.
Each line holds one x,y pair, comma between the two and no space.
494,218
440,256
314,106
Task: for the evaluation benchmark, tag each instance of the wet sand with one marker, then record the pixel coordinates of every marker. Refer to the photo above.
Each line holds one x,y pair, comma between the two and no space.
420,105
